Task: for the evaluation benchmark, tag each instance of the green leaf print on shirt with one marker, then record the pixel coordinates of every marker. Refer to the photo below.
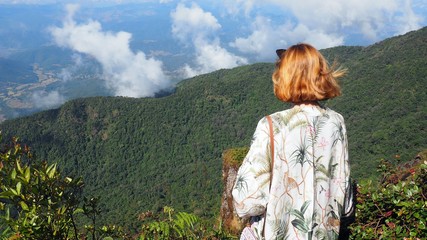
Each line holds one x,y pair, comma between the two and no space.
300,222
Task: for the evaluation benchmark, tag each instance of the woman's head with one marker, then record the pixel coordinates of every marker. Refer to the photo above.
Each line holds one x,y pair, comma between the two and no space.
303,74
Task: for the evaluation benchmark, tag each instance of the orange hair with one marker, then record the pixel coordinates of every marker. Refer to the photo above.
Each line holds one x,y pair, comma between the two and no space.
303,74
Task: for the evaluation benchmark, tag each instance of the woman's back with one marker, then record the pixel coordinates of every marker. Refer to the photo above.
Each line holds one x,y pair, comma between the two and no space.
307,189
309,144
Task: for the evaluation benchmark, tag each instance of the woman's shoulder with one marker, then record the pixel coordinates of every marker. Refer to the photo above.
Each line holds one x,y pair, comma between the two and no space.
277,116
297,111
286,112
334,113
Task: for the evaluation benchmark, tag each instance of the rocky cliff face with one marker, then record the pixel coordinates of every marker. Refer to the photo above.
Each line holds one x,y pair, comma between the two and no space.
232,158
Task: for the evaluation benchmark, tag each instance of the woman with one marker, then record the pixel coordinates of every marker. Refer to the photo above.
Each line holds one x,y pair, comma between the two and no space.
302,195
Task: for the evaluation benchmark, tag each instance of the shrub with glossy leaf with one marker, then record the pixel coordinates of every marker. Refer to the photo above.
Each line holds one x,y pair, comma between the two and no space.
396,209
179,225
36,202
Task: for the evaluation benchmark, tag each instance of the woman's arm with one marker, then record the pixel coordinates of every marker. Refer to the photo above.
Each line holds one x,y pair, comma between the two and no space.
251,189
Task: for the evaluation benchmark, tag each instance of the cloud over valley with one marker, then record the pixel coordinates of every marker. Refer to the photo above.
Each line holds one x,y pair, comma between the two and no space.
126,72
193,26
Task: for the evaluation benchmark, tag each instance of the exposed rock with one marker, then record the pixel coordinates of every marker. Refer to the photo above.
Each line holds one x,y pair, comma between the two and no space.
232,158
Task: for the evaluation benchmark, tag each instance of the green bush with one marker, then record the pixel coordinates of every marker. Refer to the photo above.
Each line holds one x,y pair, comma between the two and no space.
396,208
181,225
36,202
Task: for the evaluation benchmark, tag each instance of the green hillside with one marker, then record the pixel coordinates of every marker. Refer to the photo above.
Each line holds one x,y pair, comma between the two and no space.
142,154
385,100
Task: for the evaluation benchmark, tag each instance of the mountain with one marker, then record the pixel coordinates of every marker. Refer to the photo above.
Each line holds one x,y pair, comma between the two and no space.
384,100
142,154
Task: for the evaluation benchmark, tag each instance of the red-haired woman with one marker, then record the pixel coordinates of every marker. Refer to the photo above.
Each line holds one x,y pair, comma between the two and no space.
301,194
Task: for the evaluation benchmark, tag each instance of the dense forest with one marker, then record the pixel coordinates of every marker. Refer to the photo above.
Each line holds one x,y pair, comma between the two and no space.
143,154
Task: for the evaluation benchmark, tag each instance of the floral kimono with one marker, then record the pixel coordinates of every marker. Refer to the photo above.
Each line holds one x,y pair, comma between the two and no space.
309,177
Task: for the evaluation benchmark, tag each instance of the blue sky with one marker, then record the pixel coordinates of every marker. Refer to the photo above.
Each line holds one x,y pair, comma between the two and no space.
218,33
324,23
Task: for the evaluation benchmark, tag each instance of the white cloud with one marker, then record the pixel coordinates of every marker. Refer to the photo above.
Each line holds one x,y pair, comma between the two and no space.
45,100
266,37
125,72
192,22
324,23
235,6
193,26
210,56
332,16
261,40
409,20
318,38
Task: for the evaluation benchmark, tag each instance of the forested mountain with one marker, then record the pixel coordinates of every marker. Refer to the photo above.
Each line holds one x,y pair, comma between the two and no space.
142,154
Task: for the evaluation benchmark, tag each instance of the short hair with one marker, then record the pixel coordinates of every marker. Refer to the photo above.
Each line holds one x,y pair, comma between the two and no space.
303,74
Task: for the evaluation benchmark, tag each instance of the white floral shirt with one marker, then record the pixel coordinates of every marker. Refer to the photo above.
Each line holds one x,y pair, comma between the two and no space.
310,175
